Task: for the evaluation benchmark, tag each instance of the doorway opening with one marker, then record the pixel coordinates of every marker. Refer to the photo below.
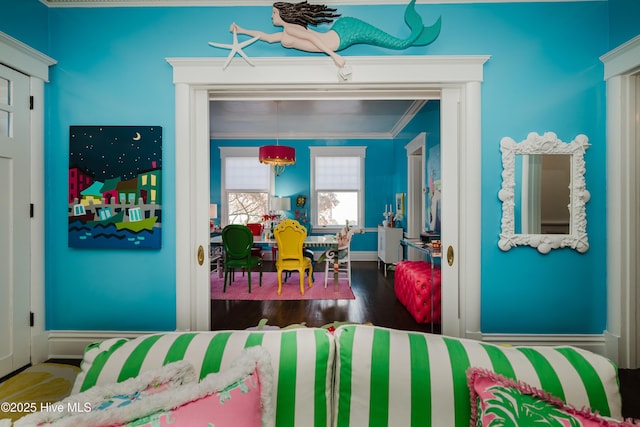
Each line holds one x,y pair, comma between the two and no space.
457,79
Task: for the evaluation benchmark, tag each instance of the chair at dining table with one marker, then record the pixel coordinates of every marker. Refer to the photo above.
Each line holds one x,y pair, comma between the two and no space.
308,253
290,235
256,230
237,241
343,262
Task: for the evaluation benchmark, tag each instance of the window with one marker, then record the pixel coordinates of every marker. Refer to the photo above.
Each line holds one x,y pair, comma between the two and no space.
337,186
246,185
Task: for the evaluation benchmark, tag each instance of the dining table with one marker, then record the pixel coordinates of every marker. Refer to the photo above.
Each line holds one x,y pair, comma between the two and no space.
328,241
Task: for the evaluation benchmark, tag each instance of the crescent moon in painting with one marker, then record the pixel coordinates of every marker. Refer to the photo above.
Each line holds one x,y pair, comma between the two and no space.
138,137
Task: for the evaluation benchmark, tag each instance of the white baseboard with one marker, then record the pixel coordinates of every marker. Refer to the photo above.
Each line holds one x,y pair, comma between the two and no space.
71,344
612,350
39,347
594,343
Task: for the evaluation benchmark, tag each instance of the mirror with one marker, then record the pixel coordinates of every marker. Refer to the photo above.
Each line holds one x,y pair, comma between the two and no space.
544,193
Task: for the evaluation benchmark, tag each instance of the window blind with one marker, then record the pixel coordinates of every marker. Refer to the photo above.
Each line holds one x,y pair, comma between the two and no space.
246,173
337,173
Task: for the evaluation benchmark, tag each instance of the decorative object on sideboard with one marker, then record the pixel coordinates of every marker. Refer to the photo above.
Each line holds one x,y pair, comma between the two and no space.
388,215
529,228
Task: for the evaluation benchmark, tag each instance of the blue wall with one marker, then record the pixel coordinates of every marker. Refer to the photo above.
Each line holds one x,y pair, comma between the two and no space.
27,21
544,75
623,21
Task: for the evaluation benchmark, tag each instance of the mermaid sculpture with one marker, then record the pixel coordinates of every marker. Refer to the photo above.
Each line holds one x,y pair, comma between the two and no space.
294,18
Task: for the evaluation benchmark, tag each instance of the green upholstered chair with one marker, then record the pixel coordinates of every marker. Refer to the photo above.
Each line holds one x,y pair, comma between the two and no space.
237,241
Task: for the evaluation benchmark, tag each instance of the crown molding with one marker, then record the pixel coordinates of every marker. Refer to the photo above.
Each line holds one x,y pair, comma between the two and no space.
622,59
24,58
190,3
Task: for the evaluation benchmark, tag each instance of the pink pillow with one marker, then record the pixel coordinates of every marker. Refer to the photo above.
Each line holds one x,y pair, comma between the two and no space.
172,396
236,405
499,401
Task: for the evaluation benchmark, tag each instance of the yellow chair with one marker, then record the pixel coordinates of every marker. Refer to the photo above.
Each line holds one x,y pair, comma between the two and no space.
290,237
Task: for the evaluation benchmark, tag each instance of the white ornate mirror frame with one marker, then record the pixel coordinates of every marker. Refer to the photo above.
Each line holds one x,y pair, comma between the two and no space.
579,196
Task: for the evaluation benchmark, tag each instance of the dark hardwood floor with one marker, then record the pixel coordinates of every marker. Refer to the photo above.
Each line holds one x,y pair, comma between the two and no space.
375,303
630,391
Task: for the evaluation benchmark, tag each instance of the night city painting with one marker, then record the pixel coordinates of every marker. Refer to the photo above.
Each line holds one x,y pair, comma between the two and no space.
115,187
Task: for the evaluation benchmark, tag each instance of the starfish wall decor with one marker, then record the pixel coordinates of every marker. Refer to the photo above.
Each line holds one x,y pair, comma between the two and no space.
234,48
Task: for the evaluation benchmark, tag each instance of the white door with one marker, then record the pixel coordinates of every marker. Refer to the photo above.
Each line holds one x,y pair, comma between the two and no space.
14,221
452,226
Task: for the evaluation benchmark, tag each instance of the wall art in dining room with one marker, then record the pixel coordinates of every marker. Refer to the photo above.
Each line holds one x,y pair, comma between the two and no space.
115,187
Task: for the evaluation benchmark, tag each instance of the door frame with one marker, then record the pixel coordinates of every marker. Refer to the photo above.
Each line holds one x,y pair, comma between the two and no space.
34,64
416,157
416,190
621,73
457,79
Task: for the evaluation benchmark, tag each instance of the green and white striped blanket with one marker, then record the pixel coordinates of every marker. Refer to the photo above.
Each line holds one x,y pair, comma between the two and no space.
302,360
396,378
382,377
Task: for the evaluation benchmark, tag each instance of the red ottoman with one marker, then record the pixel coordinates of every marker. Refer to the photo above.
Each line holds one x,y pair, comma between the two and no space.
413,289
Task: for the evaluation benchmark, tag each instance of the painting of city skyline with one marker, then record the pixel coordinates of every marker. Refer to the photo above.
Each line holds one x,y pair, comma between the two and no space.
115,187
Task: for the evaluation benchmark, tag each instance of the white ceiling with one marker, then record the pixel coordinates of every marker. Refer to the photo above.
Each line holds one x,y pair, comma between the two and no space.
311,119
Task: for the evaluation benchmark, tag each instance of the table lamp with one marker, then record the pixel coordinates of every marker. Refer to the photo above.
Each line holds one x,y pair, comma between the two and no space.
280,204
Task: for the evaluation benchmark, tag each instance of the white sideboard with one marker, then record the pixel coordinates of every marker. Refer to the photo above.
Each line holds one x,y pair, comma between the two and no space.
389,250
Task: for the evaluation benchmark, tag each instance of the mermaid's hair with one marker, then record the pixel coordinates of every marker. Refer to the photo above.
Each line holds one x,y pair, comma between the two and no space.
304,13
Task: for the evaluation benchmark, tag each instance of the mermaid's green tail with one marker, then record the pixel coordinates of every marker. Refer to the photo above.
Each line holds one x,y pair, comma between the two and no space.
427,34
355,31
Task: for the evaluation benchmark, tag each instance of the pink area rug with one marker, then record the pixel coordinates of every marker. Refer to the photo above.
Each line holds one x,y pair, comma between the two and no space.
269,289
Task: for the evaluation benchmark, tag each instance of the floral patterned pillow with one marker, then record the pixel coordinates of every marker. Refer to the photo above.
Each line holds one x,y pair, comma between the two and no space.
171,395
497,401
236,405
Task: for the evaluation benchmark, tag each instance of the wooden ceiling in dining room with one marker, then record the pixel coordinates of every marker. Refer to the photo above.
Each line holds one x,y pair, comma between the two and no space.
311,119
